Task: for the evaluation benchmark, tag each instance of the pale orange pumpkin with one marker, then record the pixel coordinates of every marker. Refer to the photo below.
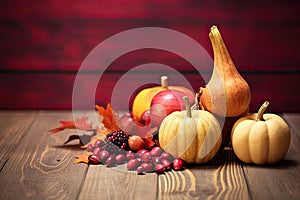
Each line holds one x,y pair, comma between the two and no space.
260,138
194,136
226,93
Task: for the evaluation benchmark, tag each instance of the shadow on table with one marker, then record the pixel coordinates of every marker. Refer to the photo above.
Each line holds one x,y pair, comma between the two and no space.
69,146
283,164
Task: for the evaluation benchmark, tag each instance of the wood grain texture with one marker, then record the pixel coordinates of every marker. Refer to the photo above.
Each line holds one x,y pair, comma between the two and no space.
53,38
47,36
29,89
149,9
41,167
222,178
280,180
45,44
117,183
13,126
293,120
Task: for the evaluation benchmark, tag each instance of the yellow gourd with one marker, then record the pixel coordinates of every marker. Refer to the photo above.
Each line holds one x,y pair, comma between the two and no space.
194,136
260,138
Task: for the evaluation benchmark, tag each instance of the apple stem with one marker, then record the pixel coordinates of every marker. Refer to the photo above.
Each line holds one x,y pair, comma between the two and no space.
261,111
187,106
164,81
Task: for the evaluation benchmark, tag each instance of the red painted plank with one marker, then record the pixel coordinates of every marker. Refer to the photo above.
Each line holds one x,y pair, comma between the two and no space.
149,9
63,45
54,91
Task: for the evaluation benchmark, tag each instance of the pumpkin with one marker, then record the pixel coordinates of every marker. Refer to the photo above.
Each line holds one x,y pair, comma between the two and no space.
194,136
142,101
260,138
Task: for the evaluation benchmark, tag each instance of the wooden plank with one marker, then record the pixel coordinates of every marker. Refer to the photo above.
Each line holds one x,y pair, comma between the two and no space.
49,44
280,181
117,183
293,120
222,178
60,87
13,125
281,98
41,166
29,90
145,9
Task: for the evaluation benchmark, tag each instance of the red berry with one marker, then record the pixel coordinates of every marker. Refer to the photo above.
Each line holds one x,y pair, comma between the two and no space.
140,170
156,151
159,168
178,164
167,156
94,159
156,160
123,146
129,152
99,143
166,164
141,152
133,164
130,155
103,155
147,157
97,151
90,147
111,161
120,158
148,167
116,142
140,160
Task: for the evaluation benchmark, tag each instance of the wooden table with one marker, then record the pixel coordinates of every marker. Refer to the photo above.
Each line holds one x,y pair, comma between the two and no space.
36,165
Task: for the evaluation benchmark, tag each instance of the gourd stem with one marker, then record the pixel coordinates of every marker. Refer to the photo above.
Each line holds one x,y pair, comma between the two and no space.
187,106
164,81
261,111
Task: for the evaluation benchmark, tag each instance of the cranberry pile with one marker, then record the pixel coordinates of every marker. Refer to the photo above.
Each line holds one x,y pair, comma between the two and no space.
114,151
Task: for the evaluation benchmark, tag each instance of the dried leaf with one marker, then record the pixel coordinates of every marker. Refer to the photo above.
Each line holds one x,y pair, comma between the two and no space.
83,139
149,142
100,135
83,158
71,138
148,138
109,116
79,123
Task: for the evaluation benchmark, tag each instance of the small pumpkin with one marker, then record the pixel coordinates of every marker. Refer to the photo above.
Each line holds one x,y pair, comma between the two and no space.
142,102
194,136
260,138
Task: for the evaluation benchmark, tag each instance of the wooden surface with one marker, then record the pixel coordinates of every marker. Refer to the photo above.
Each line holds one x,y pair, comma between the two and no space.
43,44
36,165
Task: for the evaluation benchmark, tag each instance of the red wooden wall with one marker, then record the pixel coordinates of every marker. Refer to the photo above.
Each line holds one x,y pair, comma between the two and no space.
43,43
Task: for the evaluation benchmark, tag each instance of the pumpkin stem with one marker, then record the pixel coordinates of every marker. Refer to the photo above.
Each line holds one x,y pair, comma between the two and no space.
261,111
164,81
196,104
187,106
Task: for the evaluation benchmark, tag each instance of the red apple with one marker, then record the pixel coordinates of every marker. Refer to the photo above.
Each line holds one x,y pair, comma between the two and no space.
166,102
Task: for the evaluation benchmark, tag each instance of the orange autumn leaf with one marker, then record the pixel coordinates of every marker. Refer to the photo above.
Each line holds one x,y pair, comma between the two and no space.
83,158
108,115
79,123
